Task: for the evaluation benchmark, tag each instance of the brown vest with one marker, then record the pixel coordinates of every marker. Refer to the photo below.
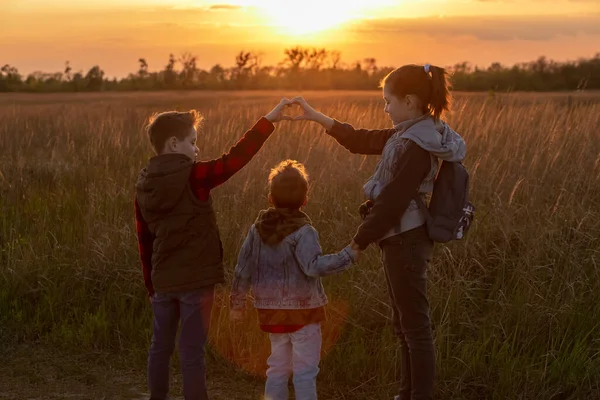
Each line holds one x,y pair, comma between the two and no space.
187,252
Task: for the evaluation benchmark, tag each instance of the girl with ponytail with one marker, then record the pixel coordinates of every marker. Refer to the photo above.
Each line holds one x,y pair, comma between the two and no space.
416,98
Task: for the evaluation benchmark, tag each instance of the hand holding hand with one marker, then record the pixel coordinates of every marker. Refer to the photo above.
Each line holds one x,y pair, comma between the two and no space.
365,209
277,114
309,113
356,248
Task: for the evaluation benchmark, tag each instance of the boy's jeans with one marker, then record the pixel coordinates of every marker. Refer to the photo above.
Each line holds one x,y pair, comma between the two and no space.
194,309
298,353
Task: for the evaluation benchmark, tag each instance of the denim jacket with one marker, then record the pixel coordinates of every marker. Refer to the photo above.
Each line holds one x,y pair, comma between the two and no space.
285,275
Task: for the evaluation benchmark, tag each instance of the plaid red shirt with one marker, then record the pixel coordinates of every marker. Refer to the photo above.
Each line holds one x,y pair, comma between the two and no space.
205,176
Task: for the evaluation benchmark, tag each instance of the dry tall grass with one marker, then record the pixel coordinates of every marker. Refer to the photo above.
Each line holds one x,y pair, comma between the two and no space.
516,306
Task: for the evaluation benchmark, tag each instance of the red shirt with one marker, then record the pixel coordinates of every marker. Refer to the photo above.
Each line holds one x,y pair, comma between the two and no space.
205,176
288,321
281,328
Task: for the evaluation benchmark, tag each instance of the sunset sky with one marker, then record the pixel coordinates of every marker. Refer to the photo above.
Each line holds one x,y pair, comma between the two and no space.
43,34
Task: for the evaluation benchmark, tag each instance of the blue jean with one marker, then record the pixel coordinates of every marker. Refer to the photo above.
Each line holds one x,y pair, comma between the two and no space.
194,309
296,353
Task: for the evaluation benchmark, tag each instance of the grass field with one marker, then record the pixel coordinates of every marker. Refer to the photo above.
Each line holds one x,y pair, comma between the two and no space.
515,306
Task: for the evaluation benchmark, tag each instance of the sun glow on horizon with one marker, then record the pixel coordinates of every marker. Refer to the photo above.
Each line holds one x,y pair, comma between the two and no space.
309,17
313,16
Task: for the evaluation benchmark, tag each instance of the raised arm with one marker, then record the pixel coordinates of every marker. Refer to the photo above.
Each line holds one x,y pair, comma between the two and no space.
207,175
357,141
360,141
210,174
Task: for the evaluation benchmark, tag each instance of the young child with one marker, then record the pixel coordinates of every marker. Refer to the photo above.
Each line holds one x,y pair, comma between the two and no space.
179,241
281,260
416,98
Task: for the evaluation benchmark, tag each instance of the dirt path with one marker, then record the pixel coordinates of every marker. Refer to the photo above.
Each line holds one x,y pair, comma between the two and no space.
31,372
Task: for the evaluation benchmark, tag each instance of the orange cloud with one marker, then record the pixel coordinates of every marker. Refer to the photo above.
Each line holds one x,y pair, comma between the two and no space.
227,7
115,39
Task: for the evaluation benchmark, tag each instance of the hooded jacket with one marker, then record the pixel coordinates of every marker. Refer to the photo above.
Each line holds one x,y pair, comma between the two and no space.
410,154
282,262
187,251
438,139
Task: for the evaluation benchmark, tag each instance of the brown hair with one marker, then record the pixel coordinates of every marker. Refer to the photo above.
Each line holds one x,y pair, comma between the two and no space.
288,184
162,126
432,88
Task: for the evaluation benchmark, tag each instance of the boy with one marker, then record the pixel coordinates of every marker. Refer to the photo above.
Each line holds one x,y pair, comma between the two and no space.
179,241
281,260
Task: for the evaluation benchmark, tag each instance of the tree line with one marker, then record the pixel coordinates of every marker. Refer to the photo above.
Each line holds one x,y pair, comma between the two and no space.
303,69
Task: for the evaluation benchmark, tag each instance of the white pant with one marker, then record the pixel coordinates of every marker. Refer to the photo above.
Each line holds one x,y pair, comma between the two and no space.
296,353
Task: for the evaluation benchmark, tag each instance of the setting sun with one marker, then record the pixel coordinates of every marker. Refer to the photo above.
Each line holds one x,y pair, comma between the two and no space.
313,16
309,17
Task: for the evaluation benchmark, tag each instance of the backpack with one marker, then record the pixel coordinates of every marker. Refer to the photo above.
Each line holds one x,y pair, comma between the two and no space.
450,213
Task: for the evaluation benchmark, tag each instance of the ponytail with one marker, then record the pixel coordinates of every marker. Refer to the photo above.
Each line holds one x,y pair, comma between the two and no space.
429,83
440,93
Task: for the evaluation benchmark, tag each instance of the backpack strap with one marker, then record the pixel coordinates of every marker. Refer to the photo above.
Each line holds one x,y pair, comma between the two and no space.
422,206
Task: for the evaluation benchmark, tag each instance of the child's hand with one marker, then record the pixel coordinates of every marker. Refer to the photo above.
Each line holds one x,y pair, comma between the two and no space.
356,249
276,114
236,315
310,114
365,209
355,246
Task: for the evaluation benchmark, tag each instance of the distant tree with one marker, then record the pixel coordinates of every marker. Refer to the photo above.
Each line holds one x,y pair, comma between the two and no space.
94,79
10,79
217,73
68,69
370,65
308,68
143,71
335,58
315,58
295,58
170,76
189,68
